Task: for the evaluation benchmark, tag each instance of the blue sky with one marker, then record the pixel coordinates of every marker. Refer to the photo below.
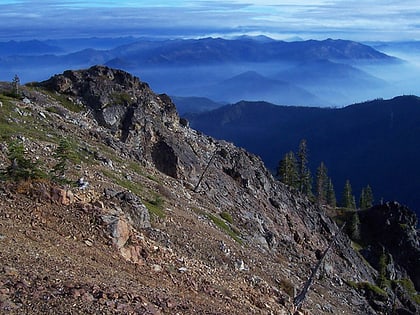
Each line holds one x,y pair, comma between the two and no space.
354,19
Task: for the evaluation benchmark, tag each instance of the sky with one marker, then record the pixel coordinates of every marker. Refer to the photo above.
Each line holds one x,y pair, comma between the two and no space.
367,20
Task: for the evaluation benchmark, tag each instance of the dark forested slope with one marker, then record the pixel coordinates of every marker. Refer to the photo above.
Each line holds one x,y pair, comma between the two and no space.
375,142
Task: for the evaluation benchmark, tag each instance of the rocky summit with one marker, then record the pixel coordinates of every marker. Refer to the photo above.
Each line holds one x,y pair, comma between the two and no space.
122,208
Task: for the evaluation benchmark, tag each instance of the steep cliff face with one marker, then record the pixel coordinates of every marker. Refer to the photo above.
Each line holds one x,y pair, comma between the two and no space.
390,231
228,229
266,213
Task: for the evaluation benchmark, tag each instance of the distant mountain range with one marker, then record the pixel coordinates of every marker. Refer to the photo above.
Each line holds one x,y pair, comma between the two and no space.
322,73
218,50
30,48
194,104
253,86
375,143
337,82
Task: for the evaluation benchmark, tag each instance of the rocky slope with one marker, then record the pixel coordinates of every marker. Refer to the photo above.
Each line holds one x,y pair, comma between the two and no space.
164,220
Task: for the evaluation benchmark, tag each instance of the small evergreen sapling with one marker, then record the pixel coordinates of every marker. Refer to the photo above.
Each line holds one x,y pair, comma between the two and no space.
20,167
16,86
63,154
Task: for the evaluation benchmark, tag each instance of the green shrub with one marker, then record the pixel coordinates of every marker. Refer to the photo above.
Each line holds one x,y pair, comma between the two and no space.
20,167
65,102
155,206
408,286
64,154
121,98
127,184
369,290
157,201
382,279
227,217
219,222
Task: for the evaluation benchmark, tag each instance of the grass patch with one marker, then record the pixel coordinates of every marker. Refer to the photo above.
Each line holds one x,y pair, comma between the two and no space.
108,152
138,169
7,126
12,123
6,131
134,187
53,110
227,217
370,290
221,223
155,206
121,98
151,177
64,101
403,226
408,286
356,246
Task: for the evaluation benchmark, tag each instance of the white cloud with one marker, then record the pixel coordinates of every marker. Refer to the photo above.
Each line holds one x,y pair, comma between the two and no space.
353,19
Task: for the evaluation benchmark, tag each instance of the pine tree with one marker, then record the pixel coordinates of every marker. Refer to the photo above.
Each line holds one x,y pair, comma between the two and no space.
331,199
369,196
304,174
287,170
366,198
15,86
354,227
382,279
63,154
321,184
348,200
20,167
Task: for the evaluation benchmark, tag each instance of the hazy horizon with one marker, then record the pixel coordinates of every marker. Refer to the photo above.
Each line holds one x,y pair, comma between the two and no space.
369,21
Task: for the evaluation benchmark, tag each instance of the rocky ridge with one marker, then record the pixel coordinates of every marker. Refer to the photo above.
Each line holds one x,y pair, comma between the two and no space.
239,242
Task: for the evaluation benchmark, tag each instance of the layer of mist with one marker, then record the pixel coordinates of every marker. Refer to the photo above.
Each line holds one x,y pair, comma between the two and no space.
322,82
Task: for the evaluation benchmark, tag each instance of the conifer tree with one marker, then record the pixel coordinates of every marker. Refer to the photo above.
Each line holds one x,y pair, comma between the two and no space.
369,196
16,86
362,201
287,170
382,269
20,167
63,154
354,227
321,184
348,200
331,199
304,174
366,198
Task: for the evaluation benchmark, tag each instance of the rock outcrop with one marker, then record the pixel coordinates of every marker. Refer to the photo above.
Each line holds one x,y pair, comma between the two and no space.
390,230
229,230
126,107
265,212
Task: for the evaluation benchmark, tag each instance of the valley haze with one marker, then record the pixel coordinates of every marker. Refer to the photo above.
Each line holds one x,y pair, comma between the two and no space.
71,39
139,143
323,73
